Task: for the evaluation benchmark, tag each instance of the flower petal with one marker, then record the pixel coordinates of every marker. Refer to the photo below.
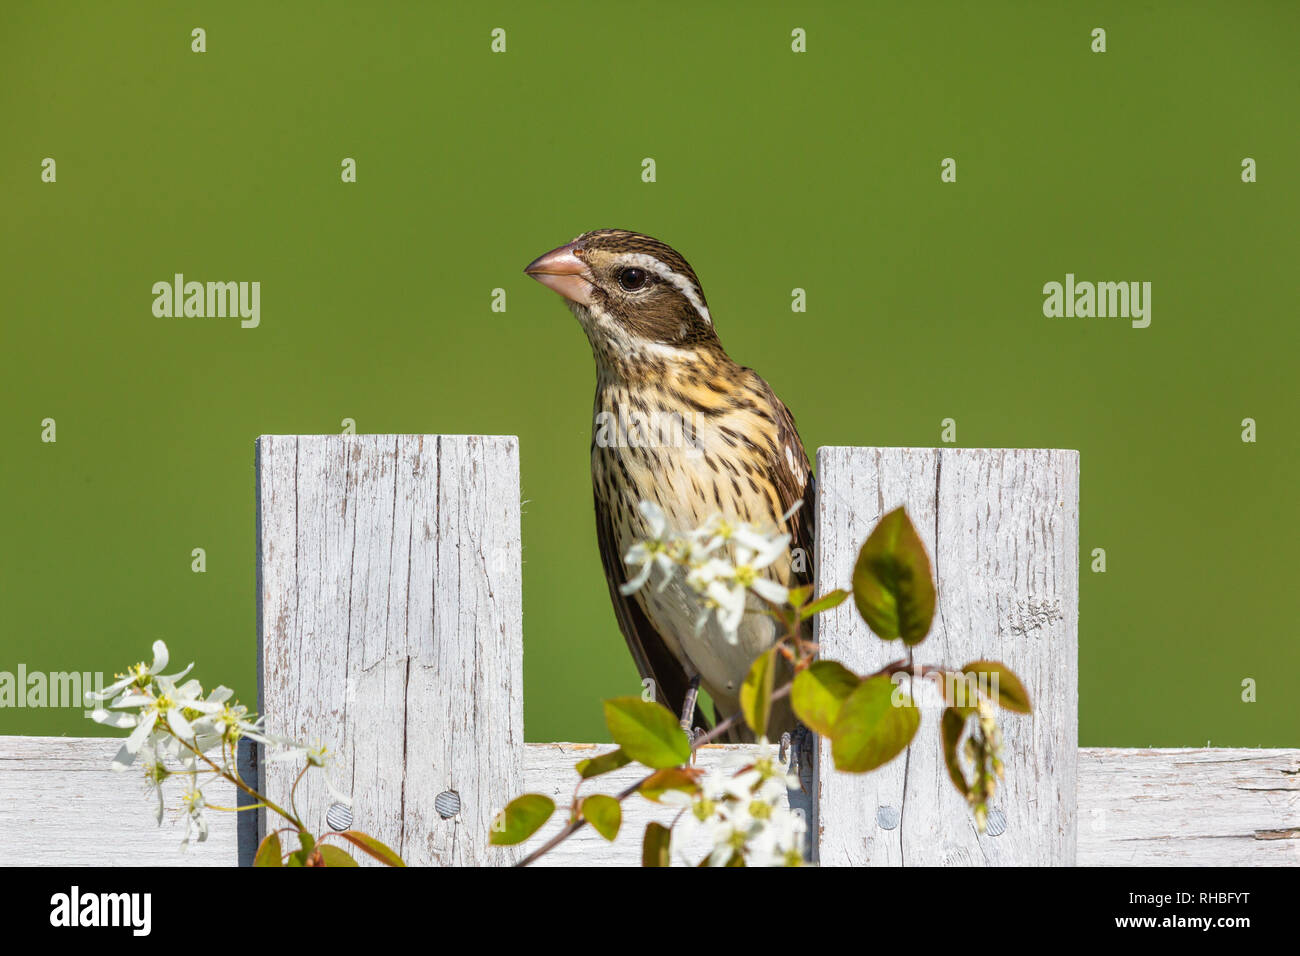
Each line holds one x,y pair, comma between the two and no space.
654,517
770,591
635,583
111,690
110,719
179,725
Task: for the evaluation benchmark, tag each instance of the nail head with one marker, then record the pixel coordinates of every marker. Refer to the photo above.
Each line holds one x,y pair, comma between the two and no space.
339,817
447,804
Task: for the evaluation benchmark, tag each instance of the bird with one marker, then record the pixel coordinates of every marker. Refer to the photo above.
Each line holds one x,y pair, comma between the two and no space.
657,353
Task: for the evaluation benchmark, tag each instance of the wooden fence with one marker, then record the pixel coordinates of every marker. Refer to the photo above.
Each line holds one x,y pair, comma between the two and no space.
390,626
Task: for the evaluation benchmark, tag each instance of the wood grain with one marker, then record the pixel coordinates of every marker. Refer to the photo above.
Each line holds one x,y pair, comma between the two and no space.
1001,529
61,805
548,770
1205,807
390,627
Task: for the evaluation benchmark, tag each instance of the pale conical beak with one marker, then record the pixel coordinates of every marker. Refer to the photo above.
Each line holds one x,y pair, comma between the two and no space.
562,270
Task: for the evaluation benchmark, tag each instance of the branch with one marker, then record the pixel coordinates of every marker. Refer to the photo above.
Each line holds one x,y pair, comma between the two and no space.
700,741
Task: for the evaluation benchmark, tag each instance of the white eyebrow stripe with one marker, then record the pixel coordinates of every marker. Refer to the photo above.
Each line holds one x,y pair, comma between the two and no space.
680,282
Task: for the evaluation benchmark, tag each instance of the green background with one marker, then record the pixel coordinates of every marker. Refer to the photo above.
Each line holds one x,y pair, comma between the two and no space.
775,170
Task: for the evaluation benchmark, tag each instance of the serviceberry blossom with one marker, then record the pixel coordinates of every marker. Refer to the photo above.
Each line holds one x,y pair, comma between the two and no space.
722,563
745,814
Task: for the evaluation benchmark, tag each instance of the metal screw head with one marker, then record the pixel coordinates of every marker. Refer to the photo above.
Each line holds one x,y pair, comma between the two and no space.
339,817
887,818
447,804
996,824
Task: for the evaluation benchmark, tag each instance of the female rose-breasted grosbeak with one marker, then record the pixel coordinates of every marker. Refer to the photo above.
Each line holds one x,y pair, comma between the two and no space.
659,360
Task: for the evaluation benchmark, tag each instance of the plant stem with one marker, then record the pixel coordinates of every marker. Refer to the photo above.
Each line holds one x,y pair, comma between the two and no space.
894,667
241,785
572,828
722,728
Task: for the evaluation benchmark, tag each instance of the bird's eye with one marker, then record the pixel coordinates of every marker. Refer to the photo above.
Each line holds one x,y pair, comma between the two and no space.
632,279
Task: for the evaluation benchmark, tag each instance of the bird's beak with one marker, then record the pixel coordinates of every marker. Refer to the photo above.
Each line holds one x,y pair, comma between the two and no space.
562,270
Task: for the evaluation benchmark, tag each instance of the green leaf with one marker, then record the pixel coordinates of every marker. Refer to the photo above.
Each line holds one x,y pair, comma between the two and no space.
892,584
648,732
799,595
368,844
1011,692
959,692
819,691
521,818
654,848
269,852
604,814
685,779
824,603
595,766
953,723
756,692
870,731
336,855
307,843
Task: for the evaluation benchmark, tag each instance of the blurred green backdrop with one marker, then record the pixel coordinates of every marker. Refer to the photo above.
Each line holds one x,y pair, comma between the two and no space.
775,170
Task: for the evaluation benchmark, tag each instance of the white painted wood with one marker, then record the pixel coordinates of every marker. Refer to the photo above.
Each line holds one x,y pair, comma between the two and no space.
61,805
390,626
1189,807
389,622
548,770
1001,529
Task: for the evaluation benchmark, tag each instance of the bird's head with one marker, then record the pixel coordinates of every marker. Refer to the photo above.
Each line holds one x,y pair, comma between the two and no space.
635,296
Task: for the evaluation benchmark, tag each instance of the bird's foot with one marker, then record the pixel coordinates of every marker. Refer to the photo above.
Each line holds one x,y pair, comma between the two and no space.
693,733
797,752
688,707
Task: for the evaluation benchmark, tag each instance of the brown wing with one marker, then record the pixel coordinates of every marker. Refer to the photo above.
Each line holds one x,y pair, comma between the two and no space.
792,486
651,654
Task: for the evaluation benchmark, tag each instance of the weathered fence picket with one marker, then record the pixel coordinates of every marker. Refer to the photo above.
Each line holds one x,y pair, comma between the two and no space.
389,611
390,627
1002,530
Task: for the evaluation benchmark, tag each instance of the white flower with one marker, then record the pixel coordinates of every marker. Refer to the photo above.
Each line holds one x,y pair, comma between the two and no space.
725,593
779,841
727,601
721,585
169,704
718,530
228,723
318,756
153,754
193,804
138,676
651,552
744,815
703,575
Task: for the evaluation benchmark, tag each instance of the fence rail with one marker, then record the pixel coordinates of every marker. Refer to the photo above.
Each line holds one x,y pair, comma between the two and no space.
59,804
390,624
